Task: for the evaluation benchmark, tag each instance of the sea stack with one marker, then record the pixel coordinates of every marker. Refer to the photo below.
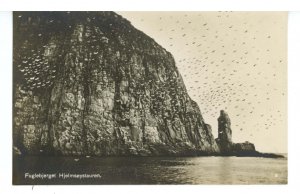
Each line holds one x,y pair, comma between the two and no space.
224,139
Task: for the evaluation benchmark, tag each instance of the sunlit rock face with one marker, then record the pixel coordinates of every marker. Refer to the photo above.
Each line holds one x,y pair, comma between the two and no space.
89,83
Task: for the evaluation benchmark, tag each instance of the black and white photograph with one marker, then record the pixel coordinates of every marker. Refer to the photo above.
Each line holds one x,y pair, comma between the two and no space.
149,98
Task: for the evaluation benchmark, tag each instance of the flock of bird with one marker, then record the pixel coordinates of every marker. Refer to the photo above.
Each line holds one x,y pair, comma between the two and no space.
37,72
231,61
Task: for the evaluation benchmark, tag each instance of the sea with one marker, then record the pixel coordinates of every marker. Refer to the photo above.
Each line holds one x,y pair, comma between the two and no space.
37,170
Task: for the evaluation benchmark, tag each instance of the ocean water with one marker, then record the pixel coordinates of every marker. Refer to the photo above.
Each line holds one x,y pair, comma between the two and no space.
149,170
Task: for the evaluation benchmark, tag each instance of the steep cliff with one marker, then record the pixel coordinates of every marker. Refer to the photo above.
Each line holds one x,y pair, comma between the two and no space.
89,83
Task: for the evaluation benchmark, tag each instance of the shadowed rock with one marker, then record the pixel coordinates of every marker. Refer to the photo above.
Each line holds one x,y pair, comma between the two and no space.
224,139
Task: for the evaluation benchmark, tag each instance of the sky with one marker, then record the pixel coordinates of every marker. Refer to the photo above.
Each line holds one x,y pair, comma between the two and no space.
232,61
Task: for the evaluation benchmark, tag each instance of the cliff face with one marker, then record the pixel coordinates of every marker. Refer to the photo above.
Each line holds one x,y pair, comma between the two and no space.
92,84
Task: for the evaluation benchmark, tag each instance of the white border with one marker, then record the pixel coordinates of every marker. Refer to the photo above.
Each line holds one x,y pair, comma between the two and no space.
5,98
150,5
293,98
6,92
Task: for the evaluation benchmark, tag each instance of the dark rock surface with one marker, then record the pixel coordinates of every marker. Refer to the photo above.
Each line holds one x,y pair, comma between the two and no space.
89,83
224,139
243,147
